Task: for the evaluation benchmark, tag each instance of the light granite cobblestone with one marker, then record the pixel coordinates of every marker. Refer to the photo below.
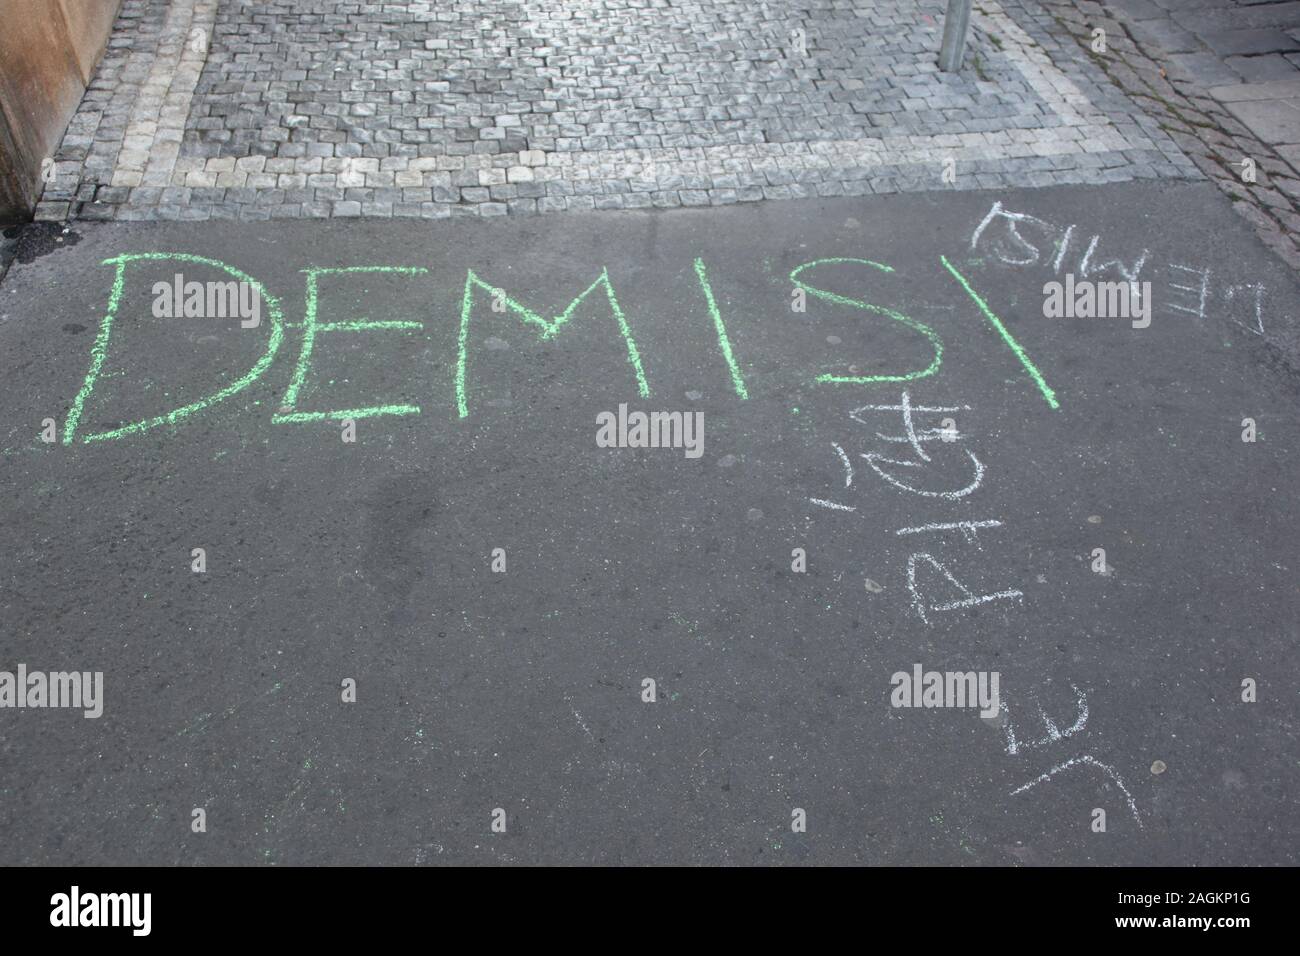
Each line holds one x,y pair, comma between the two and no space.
302,108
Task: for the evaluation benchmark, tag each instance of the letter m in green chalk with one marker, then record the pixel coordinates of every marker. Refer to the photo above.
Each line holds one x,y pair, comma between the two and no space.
312,327
547,328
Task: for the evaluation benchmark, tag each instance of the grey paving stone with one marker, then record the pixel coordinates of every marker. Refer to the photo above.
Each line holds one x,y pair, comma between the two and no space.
1272,121
1261,69
1137,9
1203,69
52,211
1249,41
1278,89
304,109
1167,36
1291,154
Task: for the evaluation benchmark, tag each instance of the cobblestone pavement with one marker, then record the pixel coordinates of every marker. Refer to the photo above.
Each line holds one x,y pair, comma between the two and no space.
1236,133
1217,42
255,110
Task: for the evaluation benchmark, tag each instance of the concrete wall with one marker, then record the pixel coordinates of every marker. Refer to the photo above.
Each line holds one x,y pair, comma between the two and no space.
48,53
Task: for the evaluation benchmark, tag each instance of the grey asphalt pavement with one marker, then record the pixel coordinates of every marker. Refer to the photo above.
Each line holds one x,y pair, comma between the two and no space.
971,548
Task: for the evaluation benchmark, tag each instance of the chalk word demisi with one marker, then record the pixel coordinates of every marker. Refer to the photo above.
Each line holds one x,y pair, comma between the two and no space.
1021,240
312,328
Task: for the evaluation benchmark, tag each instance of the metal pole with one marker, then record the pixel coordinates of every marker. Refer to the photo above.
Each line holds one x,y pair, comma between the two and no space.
956,23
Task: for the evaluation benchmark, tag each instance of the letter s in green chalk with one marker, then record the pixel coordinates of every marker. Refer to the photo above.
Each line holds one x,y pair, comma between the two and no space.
99,351
935,343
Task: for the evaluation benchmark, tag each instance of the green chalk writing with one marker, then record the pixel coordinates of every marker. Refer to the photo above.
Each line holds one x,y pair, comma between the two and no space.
99,350
363,326
1007,337
724,343
311,328
548,329
935,342
371,411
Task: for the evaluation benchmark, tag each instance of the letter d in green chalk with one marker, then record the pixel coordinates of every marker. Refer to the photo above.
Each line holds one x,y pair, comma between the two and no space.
99,351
